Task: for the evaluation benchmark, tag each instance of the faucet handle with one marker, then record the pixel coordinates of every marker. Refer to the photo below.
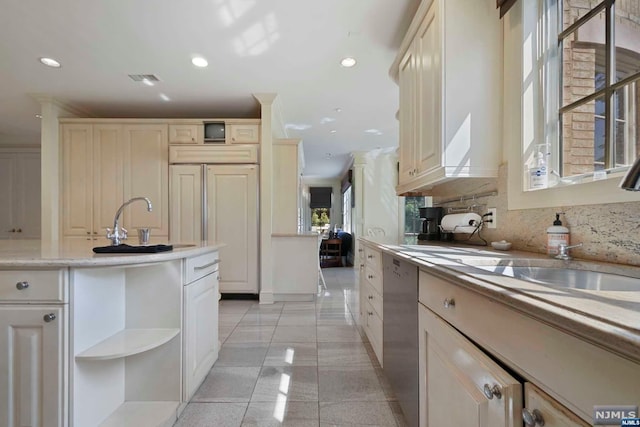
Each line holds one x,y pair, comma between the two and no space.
124,233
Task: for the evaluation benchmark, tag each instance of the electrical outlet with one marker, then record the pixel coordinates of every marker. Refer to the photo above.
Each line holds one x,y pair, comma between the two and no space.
493,217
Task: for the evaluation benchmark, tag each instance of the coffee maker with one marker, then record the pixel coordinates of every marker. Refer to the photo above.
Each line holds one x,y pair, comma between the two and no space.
431,218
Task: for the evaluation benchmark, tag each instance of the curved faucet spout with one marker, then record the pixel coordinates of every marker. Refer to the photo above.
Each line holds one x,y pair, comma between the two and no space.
118,234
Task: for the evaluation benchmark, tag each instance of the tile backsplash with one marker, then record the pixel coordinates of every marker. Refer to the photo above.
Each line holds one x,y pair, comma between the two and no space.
608,232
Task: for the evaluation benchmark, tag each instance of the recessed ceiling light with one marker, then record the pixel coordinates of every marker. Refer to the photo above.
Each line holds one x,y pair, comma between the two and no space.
348,62
148,82
38,116
199,61
338,110
333,131
164,97
50,62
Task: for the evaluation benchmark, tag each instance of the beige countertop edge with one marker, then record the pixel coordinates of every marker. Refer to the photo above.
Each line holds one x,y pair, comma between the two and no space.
88,259
612,336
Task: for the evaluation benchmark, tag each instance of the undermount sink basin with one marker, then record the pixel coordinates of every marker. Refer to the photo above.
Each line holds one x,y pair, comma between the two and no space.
567,277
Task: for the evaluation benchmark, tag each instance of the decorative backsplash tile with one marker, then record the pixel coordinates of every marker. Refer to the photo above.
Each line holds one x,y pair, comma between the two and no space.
608,232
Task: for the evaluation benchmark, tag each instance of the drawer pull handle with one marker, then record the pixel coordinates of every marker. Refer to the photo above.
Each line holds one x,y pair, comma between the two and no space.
49,317
370,256
370,313
491,391
202,267
22,285
370,297
370,276
449,303
532,418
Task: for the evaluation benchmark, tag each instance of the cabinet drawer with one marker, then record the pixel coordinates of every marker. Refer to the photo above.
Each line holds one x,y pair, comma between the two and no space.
373,298
374,278
576,373
374,331
373,257
201,265
33,286
215,154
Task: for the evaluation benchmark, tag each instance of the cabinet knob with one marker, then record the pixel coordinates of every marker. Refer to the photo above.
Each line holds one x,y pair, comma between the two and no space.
449,303
22,285
370,297
532,418
491,391
49,317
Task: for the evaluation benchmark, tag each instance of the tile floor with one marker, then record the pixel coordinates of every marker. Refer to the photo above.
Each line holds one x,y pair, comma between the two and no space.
295,364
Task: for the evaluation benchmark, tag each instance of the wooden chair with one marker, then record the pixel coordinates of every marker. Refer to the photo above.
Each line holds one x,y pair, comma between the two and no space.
331,251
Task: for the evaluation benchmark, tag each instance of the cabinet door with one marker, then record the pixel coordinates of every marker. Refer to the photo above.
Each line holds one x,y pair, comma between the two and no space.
243,133
186,134
541,408
429,103
77,180
107,177
459,384
7,195
31,367
201,331
185,200
146,174
407,80
27,200
232,218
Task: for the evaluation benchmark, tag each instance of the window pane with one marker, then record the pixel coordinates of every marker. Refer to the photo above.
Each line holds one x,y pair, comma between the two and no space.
572,10
627,38
583,61
626,129
583,138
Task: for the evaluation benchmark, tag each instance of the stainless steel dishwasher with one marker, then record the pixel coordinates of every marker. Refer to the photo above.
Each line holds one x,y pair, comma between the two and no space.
400,332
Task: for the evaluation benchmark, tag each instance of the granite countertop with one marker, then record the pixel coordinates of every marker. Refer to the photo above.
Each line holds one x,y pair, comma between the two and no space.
609,319
16,254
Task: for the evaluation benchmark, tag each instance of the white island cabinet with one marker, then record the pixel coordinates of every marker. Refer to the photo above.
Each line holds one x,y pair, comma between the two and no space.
104,340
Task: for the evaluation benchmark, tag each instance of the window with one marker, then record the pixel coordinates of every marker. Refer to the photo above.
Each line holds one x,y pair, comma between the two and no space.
346,210
598,102
320,220
412,221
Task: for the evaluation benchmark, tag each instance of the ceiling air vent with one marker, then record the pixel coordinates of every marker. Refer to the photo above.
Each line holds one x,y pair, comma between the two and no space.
144,78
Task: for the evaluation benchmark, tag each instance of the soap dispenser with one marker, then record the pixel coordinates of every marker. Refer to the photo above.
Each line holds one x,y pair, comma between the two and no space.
557,234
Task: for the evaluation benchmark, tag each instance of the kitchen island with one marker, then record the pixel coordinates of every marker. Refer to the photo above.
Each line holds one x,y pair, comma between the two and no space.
110,340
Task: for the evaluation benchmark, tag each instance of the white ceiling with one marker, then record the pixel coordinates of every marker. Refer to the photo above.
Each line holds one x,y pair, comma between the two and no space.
289,47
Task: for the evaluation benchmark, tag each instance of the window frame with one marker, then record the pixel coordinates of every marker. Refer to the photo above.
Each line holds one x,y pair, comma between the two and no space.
524,121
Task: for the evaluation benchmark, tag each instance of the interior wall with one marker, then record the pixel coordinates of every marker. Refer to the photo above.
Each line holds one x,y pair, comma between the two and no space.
609,232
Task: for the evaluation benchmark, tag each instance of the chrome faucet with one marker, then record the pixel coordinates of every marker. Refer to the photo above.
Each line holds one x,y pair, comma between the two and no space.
563,251
118,234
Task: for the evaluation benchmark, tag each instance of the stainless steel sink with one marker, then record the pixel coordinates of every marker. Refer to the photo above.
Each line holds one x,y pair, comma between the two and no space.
567,277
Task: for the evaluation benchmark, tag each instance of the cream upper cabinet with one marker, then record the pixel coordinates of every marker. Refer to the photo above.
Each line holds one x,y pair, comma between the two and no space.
91,178
20,194
242,133
462,385
286,183
105,164
449,111
542,410
188,133
185,186
146,174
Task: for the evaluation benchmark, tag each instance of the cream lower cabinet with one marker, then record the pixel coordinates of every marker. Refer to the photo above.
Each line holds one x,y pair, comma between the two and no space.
570,375
542,410
33,348
460,385
371,302
200,321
